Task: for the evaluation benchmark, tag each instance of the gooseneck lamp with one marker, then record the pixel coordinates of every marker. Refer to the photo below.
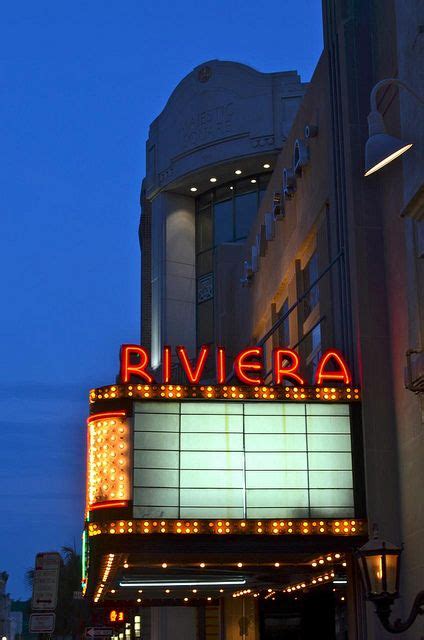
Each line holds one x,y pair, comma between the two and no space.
379,562
382,148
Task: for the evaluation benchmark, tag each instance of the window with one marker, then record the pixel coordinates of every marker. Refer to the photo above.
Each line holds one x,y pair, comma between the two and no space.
223,222
246,206
284,328
224,214
310,274
204,229
313,350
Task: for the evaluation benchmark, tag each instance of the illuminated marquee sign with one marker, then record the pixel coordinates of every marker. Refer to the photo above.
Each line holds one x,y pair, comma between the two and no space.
248,366
231,451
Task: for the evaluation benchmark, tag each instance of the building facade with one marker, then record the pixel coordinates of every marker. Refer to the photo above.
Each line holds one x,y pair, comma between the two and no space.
273,415
223,117
246,244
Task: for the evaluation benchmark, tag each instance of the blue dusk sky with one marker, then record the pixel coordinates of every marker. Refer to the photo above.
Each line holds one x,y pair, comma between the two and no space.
80,83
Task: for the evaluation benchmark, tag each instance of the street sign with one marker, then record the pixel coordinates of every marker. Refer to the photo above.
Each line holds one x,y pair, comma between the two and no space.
42,622
46,581
47,560
98,632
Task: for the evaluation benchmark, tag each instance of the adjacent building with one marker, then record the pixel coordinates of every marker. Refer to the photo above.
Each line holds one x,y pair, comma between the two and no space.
5,603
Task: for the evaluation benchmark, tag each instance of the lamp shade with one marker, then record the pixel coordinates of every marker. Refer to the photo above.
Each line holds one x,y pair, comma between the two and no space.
380,149
379,562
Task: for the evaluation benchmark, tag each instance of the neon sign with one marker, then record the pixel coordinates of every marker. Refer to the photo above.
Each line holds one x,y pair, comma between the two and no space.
248,366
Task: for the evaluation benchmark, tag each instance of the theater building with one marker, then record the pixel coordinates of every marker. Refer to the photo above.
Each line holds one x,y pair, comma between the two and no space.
273,414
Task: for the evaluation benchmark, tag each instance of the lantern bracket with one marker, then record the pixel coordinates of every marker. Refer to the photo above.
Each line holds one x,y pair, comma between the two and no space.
383,608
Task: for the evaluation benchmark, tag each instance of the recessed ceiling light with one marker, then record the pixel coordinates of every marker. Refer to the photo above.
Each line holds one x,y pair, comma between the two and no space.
140,591
167,590
202,564
237,172
239,564
231,187
185,599
194,590
193,189
164,565
113,591
209,598
138,599
267,166
253,180
277,564
213,179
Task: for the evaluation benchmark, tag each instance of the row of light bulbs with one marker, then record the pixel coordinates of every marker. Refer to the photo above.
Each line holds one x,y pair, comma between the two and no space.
226,526
218,391
106,572
330,558
237,172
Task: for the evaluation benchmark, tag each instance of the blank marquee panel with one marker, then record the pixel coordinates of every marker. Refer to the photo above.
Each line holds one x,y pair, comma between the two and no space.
242,460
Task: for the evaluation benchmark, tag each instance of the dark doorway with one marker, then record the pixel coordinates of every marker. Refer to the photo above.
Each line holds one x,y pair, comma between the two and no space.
302,617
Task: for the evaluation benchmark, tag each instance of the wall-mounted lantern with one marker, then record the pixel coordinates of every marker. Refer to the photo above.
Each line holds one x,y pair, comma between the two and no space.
379,562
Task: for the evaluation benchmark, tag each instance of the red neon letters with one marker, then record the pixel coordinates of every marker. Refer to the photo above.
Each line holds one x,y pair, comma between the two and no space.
129,368
241,366
342,372
290,372
166,365
221,372
193,375
248,366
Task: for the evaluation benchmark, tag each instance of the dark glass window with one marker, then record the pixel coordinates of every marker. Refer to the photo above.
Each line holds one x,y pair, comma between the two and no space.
246,208
204,263
313,350
283,329
204,230
223,214
316,337
310,274
205,328
223,222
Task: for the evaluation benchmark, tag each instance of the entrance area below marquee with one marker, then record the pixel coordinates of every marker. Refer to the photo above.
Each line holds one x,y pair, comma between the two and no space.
216,588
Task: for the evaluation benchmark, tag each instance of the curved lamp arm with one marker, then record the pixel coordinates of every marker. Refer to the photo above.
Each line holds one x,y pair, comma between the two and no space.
376,88
383,609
